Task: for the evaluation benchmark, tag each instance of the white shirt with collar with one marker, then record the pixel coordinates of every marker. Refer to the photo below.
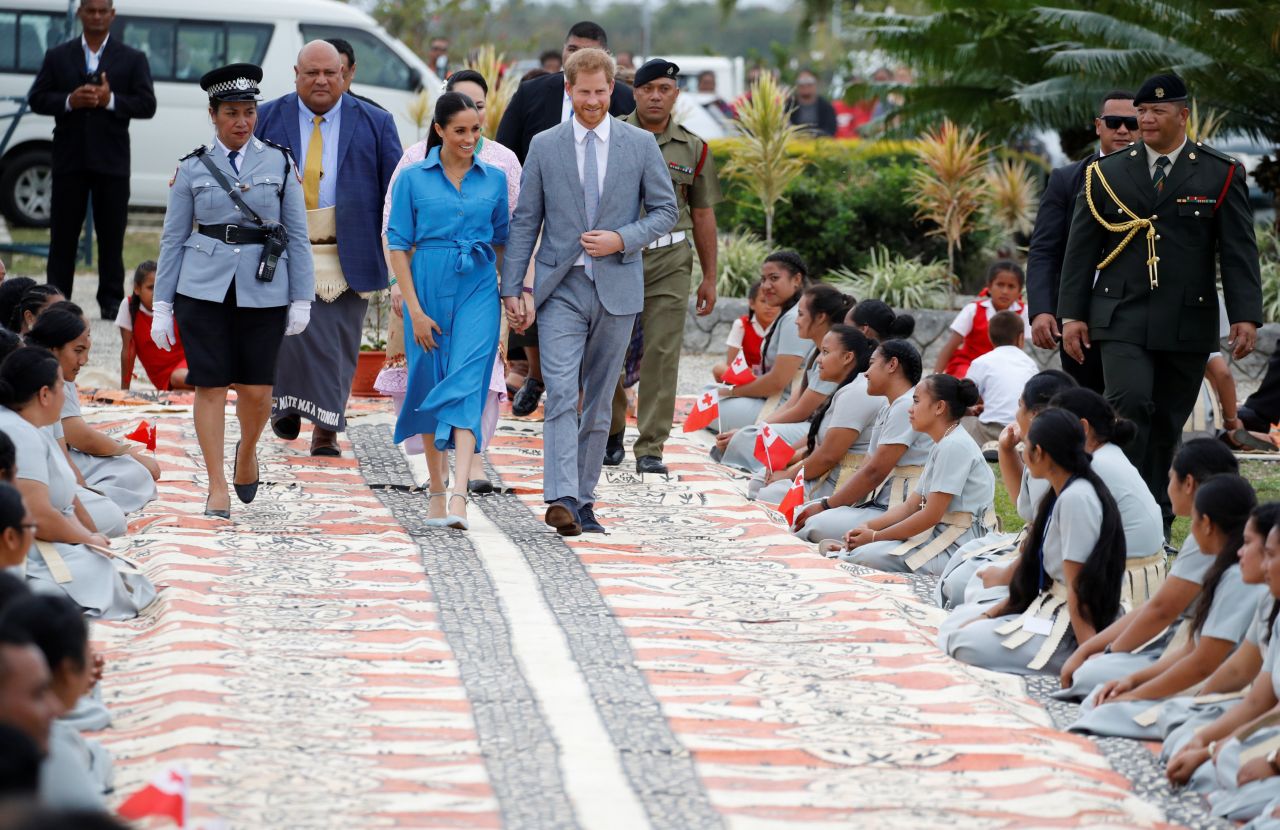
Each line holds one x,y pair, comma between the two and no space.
226,154
91,61
602,131
1152,156
566,108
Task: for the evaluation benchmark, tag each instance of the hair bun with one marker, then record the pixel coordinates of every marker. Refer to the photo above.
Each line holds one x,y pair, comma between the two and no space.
1123,431
967,393
903,326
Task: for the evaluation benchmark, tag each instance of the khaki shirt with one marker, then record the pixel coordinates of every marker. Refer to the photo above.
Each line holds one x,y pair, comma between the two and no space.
682,149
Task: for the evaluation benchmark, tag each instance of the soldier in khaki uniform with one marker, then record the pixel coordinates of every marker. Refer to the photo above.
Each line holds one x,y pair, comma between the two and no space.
668,264
1153,225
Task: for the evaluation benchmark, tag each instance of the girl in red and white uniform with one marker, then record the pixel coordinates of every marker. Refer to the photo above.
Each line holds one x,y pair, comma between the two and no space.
969,335
166,370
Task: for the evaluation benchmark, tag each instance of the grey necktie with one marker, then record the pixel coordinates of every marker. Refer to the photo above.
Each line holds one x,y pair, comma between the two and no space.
231,158
1157,178
590,188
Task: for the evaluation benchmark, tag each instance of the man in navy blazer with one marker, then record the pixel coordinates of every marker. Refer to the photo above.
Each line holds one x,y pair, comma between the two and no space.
1116,127
346,151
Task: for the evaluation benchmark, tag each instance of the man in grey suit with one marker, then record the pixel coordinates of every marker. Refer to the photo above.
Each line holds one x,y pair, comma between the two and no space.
599,192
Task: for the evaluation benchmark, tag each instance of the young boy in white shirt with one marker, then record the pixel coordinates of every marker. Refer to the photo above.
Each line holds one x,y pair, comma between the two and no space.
999,375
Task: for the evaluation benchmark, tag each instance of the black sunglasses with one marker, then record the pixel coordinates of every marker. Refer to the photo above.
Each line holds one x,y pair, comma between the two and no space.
1113,122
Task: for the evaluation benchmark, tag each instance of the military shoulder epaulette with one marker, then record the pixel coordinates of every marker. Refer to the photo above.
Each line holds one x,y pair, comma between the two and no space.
199,151
1127,149
1205,149
279,147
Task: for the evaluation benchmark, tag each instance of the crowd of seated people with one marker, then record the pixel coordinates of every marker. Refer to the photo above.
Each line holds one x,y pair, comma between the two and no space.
66,490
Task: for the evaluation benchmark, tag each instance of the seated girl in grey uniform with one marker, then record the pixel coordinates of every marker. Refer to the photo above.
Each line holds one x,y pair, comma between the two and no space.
950,505
840,432
1069,575
1230,754
895,455
1137,639
820,307
982,567
69,555
1124,708
111,468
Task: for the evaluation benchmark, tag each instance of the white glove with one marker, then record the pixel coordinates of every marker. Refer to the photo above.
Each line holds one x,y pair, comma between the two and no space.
299,316
162,324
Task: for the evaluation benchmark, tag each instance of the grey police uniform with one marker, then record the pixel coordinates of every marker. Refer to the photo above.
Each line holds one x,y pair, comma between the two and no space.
231,322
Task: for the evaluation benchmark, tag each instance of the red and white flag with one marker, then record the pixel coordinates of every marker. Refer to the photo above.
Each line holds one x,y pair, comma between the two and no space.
739,372
793,499
705,410
144,434
771,450
166,795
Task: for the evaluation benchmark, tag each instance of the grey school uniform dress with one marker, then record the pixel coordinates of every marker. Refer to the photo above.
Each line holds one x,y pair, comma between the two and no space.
741,450
90,579
121,478
1139,513
1230,615
108,518
851,408
1005,643
77,773
955,466
960,582
892,427
1255,798
1191,565
736,413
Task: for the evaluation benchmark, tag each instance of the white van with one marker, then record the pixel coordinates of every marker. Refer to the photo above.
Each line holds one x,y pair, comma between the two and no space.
183,40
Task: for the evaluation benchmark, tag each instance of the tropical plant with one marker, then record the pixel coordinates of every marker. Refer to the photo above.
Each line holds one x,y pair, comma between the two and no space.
1269,258
488,62
950,189
1012,198
897,280
1203,125
762,161
420,111
738,260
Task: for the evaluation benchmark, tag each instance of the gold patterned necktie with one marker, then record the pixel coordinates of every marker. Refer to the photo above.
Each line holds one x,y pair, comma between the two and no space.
313,169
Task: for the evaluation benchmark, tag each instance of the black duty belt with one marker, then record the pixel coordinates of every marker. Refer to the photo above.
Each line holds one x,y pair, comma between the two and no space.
234,234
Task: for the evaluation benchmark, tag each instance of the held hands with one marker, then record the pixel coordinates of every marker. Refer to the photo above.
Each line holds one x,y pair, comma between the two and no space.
601,243
424,329
1075,339
520,312
162,325
1045,332
1243,337
299,317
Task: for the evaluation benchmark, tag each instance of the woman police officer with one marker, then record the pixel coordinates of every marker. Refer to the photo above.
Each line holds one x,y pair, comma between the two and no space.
240,193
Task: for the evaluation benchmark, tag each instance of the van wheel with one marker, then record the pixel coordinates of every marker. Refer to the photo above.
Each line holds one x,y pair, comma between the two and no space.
26,189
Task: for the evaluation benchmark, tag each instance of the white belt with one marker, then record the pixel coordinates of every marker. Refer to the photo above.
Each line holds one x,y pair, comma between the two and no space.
665,240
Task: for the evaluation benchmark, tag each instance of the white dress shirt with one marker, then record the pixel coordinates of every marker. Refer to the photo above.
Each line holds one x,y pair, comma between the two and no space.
566,108
602,157
91,61
1152,156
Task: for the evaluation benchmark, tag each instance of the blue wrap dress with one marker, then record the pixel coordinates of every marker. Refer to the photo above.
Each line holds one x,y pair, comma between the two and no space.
452,233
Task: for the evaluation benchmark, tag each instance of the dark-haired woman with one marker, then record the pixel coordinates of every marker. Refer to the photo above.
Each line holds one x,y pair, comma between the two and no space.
820,308
11,291
1067,583
394,377
69,555
76,773
880,322
949,506
783,275
1123,708
33,301
451,211
1137,639
839,434
895,456
110,467
17,525
967,578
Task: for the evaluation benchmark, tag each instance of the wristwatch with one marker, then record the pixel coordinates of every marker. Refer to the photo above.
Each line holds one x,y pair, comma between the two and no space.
826,504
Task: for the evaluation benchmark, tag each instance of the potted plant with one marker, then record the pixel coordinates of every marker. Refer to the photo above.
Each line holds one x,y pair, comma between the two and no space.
373,344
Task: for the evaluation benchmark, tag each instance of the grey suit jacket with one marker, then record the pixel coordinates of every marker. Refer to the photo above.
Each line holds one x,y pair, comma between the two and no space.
637,201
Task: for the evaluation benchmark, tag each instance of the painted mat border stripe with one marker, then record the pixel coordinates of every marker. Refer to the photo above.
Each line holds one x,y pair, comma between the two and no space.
658,767
520,753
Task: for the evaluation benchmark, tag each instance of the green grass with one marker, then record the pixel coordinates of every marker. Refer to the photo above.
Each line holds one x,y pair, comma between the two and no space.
138,246
1265,476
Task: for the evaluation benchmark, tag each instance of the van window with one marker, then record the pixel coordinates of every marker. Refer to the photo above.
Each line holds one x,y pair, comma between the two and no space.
183,50
376,63
25,36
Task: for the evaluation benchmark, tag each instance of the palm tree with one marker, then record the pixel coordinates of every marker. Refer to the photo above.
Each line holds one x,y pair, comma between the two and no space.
950,188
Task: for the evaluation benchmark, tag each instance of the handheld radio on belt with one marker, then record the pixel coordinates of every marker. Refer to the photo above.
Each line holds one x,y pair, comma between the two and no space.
273,236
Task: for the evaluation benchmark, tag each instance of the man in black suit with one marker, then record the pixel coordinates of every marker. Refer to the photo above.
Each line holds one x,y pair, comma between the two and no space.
92,86
540,104
1117,128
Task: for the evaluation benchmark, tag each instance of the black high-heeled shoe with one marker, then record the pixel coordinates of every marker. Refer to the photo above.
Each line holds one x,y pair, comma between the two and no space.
216,514
245,492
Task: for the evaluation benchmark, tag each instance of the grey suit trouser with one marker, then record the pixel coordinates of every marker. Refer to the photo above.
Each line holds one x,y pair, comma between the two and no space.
582,346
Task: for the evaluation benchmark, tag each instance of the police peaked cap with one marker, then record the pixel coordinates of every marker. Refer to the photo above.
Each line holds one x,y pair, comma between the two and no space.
232,83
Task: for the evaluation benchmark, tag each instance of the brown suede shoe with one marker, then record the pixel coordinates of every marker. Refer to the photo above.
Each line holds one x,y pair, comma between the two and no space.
324,442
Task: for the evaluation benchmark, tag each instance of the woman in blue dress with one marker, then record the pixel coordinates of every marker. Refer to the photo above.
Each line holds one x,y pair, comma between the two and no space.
450,211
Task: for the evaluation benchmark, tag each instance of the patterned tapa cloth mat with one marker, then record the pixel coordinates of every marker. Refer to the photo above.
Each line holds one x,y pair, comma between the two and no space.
327,660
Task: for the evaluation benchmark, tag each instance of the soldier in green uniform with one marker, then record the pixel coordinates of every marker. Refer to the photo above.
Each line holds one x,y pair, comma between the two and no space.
668,266
1153,225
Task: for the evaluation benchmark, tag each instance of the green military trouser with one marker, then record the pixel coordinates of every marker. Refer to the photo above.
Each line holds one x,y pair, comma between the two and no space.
667,276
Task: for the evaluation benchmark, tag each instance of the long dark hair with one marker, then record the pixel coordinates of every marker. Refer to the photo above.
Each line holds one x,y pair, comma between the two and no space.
957,393
907,355
828,301
862,347
1088,405
1097,586
883,320
33,300
448,105
1227,500
793,263
55,328
139,277
1042,387
11,291
24,373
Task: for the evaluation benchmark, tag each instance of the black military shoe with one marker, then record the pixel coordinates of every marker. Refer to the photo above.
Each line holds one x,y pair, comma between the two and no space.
614,453
527,397
651,464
